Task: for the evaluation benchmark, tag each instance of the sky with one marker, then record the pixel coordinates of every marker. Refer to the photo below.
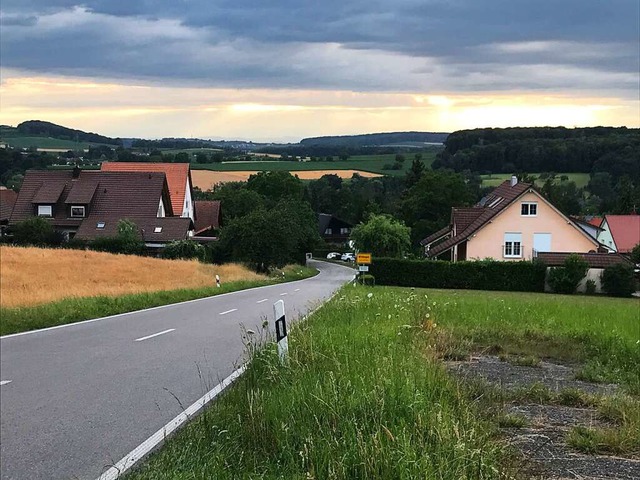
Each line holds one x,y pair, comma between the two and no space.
266,70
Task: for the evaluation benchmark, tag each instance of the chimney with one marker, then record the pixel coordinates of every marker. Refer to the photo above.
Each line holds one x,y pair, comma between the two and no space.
514,180
76,172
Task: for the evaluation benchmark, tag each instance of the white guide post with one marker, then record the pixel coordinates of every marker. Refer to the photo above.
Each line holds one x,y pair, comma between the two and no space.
281,330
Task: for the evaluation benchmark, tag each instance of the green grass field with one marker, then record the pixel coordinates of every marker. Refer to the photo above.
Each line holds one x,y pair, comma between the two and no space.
365,395
493,180
191,151
45,142
368,163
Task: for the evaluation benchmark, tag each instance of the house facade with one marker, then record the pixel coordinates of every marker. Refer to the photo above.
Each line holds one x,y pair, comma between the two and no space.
514,222
332,229
620,233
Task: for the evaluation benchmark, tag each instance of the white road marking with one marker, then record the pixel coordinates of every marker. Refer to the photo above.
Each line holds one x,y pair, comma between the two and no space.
284,294
263,300
154,335
4,382
228,311
142,450
297,290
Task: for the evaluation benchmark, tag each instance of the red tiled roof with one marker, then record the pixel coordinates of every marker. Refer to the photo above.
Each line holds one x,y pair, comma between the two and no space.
7,201
595,260
207,215
625,230
595,221
463,217
177,174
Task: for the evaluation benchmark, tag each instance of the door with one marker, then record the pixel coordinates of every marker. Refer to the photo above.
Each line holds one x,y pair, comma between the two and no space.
542,242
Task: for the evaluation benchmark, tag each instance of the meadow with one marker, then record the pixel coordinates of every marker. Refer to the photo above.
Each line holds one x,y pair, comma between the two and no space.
364,392
495,179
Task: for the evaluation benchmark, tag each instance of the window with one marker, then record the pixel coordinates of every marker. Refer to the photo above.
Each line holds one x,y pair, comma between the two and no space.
100,225
157,230
328,231
77,211
529,209
512,245
344,231
45,211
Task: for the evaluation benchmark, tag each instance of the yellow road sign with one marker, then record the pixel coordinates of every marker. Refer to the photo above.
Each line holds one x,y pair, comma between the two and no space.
363,258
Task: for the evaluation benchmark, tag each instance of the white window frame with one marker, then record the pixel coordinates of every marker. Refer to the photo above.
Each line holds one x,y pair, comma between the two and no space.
42,208
328,231
344,231
84,211
529,205
512,244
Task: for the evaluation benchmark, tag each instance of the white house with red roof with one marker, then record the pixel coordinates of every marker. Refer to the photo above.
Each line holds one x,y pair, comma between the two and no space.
620,233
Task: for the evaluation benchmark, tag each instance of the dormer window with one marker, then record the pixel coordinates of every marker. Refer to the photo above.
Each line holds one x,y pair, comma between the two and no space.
45,210
529,209
77,211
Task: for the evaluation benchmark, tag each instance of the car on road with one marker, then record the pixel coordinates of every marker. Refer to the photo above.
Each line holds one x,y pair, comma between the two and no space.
334,256
348,257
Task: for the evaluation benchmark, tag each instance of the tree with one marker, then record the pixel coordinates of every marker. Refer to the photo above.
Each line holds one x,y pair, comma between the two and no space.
182,157
34,231
202,158
635,254
565,279
415,172
128,240
617,280
184,249
383,236
276,185
400,158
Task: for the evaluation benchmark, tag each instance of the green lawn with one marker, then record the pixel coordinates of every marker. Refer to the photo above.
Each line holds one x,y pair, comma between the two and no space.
364,394
369,163
495,179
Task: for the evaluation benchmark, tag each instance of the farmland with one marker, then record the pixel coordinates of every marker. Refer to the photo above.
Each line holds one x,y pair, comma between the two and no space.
45,143
493,180
369,390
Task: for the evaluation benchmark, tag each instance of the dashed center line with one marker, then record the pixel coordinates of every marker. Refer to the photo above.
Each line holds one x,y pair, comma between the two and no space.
263,300
154,335
297,290
285,293
4,382
228,311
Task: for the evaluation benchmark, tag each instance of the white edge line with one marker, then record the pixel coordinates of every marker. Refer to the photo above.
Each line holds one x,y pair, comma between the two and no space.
146,447
297,290
228,311
285,293
29,332
263,300
159,437
154,335
4,382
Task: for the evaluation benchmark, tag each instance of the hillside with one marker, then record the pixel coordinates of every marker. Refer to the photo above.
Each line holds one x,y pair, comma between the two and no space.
377,139
40,134
79,273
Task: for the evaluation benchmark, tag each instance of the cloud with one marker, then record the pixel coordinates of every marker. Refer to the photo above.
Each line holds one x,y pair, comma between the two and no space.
375,45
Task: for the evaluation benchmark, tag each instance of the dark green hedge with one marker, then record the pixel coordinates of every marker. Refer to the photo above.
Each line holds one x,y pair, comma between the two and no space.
480,275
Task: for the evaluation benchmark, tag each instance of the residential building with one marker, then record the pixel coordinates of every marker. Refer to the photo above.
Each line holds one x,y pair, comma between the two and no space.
592,228
513,222
620,233
208,217
332,229
7,201
178,179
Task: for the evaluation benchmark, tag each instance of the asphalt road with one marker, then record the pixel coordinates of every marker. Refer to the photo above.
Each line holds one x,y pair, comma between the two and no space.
82,397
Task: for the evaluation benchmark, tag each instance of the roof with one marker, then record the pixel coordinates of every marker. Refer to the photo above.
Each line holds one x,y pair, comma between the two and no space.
324,219
207,215
594,260
476,217
7,201
587,223
81,193
49,192
595,221
435,236
177,174
32,184
625,230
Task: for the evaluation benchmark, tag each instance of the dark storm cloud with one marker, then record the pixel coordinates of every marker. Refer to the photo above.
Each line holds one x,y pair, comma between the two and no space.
465,44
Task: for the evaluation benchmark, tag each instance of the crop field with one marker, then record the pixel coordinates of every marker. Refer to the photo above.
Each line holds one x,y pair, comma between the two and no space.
192,151
493,180
368,390
45,143
368,163
35,276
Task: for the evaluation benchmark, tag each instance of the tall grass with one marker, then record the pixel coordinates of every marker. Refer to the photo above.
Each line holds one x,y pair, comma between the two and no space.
358,398
34,276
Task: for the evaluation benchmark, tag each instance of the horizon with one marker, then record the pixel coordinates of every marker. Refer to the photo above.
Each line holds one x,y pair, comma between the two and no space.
273,72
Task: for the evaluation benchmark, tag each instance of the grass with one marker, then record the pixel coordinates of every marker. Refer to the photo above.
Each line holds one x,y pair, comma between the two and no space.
367,163
80,273
495,179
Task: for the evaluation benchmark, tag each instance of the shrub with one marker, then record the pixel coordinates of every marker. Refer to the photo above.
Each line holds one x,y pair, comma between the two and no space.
35,231
184,249
127,241
635,254
480,275
617,280
565,279
590,287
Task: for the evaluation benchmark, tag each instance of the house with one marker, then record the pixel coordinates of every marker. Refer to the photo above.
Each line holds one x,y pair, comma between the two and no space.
7,201
513,222
332,229
89,204
208,217
620,233
178,179
591,227
597,262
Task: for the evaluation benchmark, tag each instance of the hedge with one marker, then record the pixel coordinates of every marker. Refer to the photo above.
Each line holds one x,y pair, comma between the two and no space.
478,275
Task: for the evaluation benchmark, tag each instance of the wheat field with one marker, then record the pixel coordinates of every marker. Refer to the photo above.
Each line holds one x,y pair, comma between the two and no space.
34,276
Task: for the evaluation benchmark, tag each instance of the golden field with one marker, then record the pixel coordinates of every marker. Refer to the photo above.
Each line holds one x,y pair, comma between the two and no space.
205,179
32,276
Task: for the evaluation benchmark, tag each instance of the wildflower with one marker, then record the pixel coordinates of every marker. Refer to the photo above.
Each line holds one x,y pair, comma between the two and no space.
369,295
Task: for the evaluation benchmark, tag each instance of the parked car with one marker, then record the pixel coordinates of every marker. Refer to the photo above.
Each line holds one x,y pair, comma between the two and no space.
348,257
333,256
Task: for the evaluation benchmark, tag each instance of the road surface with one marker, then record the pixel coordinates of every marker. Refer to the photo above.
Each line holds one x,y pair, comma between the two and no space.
75,400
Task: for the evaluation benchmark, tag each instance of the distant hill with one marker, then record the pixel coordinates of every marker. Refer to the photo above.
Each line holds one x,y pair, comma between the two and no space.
377,139
38,128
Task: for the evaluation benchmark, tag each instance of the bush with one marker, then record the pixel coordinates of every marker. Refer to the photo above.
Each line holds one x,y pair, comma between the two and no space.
185,250
618,281
480,275
127,241
565,279
590,287
36,231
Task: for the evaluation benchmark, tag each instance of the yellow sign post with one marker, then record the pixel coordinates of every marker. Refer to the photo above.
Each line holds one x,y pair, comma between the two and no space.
363,259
